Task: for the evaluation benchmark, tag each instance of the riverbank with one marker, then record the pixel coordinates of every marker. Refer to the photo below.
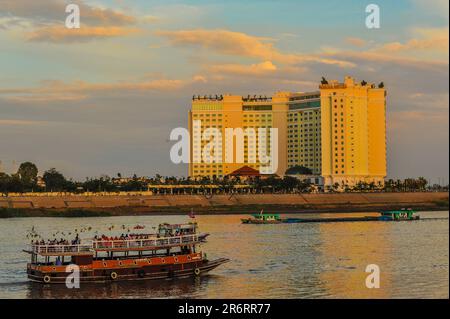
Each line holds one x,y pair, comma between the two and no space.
83,206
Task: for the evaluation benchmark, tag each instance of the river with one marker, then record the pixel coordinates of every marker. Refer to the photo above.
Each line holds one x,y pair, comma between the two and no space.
313,260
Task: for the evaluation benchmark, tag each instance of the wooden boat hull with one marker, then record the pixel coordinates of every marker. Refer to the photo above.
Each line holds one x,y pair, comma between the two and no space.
388,219
151,272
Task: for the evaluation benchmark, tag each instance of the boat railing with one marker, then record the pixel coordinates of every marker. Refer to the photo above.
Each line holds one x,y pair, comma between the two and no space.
54,249
128,244
146,242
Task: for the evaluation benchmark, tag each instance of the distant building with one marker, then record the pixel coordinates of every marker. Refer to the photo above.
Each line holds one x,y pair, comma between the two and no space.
304,131
338,132
353,132
298,142
245,171
231,111
40,182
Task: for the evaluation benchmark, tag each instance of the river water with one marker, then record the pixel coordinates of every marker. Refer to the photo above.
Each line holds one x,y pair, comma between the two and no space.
317,260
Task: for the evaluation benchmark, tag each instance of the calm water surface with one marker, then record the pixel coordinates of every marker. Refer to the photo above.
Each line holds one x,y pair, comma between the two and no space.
326,260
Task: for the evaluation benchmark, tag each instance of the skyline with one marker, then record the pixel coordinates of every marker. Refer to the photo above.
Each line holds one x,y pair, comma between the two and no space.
104,100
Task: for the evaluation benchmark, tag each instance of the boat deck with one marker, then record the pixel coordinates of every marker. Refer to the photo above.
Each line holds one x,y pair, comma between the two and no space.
94,246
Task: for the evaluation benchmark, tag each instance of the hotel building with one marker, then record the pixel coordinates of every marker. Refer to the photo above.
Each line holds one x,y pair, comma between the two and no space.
304,131
353,132
237,112
337,132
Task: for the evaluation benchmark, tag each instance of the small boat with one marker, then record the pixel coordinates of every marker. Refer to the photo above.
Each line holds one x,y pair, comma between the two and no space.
262,219
396,215
399,215
171,253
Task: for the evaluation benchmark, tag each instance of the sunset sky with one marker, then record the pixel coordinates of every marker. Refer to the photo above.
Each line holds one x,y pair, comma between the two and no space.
103,99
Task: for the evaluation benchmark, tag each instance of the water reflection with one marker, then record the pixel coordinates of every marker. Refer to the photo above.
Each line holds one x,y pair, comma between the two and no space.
181,288
347,249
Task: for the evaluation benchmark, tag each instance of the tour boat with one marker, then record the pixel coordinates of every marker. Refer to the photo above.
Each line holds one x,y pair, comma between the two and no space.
171,253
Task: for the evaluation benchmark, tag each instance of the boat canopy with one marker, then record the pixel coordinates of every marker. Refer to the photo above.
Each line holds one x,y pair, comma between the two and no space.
152,243
266,216
408,213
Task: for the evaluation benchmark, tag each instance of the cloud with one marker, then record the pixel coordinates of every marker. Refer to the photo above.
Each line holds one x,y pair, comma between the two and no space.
54,90
199,78
47,19
253,69
240,44
150,19
51,11
7,23
11,122
378,58
399,122
59,34
434,39
357,42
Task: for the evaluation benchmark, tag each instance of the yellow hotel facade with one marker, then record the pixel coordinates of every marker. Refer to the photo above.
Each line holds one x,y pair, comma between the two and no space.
306,123
353,132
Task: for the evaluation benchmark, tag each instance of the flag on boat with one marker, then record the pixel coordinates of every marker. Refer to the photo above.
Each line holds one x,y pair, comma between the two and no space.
191,214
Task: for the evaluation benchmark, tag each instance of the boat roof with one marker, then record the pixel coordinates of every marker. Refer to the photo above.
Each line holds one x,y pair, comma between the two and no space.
396,212
153,243
91,245
178,226
265,215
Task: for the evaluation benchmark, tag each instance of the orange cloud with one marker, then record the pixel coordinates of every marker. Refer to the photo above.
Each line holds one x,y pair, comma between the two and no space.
62,34
241,44
53,10
223,41
104,17
435,39
79,90
20,122
357,42
254,69
381,57
401,120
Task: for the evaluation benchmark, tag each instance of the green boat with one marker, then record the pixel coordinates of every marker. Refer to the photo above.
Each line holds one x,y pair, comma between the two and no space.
399,215
262,219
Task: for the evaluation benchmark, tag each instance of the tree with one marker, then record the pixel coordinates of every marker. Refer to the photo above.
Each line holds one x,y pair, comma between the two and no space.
298,170
12,184
422,183
54,180
27,173
290,183
4,183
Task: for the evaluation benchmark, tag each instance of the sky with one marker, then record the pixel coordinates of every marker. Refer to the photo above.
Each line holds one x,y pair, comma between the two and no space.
104,98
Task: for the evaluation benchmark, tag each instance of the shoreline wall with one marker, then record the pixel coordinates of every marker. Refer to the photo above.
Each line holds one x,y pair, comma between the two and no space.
121,204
